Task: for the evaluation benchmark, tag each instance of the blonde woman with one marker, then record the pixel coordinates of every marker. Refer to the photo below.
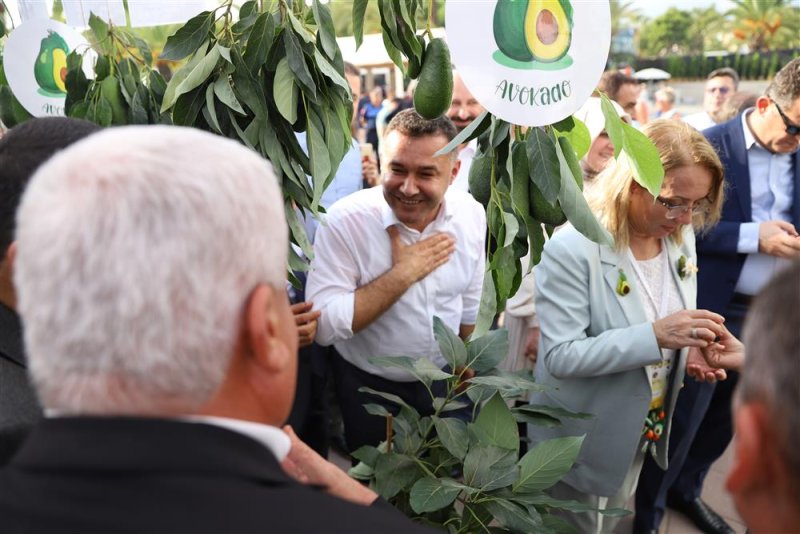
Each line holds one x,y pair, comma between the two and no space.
617,322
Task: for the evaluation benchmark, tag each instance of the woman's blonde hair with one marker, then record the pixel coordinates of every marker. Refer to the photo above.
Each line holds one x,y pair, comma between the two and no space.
679,145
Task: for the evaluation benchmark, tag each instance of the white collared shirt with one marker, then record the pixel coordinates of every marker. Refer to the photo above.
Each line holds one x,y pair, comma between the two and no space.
465,156
353,248
699,121
271,437
771,191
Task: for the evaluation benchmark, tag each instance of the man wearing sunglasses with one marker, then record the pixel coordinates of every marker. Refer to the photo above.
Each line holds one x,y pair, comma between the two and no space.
756,238
720,86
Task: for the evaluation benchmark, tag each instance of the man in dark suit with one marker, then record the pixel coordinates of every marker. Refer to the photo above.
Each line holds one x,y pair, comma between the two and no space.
150,272
22,150
756,237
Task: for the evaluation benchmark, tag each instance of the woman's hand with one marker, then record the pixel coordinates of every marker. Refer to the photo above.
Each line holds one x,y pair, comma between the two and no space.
727,353
688,328
698,368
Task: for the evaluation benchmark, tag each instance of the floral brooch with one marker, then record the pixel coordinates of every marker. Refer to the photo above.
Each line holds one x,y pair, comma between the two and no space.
686,268
623,288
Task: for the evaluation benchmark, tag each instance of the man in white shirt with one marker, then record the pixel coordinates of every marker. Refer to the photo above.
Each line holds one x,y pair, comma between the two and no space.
149,266
464,109
387,261
720,86
756,237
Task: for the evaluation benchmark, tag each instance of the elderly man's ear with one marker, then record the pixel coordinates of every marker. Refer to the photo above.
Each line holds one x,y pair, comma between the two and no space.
757,471
7,294
270,332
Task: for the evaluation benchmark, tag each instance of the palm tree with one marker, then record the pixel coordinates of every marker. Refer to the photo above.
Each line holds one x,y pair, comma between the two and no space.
761,23
623,13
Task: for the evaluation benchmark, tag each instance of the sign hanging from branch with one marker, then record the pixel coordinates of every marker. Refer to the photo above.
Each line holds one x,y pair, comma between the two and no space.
530,62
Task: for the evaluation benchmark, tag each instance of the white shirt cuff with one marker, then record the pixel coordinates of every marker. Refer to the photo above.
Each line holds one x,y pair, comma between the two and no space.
748,238
336,321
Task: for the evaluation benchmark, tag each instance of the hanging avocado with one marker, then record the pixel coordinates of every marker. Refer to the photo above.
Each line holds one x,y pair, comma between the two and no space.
435,86
548,29
509,29
50,70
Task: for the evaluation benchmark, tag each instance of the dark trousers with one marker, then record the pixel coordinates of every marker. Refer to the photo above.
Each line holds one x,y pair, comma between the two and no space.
310,414
361,428
701,431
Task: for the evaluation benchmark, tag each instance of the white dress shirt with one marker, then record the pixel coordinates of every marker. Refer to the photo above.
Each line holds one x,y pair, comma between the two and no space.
271,437
465,156
353,248
771,191
699,121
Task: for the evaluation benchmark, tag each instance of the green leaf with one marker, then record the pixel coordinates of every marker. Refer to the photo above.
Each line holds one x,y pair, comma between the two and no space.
330,71
248,8
554,411
542,499
285,91
188,106
488,467
169,93
520,179
318,153
301,30
325,29
361,472
557,525
377,409
514,517
429,494
144,49
535,418
260,42
99,30
487,351
576,132
298,230
138,113
572,160
388,396
224,91
450,344
613,124
488,306
452,433
547,463
297,62
247,88
393,51
473,130
440,405
576,208
543,163
359,11
211,109
200,73
496,419
393,473
11,111
189,37
500,132
512,227
102,112
367,454
643,158
421,368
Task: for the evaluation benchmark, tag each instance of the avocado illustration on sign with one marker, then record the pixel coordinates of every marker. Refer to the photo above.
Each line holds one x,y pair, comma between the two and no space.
50,70
533,34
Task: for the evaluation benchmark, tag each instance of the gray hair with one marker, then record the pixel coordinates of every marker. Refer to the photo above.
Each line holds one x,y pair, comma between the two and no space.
770,375
137,249
785,86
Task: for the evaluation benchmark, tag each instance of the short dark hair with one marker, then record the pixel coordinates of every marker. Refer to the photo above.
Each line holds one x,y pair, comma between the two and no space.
409,122
351,70
725,71
613,80
22,150
785,86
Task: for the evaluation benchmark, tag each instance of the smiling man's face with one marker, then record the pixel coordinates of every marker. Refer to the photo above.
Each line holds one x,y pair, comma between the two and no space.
414,181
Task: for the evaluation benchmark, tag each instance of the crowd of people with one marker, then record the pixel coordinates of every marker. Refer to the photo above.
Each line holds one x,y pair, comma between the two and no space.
163,351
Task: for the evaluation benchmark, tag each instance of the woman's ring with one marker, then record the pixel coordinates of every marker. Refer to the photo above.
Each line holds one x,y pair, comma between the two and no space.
694,333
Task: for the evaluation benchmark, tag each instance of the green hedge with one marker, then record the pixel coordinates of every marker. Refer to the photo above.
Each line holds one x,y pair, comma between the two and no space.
753,66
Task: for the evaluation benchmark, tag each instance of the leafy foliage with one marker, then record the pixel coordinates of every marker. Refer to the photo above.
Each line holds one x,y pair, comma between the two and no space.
417,468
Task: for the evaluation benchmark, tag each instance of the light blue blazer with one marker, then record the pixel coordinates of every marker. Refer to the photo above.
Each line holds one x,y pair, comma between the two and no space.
595,344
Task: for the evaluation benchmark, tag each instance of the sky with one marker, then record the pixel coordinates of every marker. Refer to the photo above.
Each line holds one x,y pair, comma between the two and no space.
654,8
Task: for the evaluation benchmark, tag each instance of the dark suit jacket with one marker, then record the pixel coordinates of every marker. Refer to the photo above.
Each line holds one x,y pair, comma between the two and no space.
719,263
109,475
19,409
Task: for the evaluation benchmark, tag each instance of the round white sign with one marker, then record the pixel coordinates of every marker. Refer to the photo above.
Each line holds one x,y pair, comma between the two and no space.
35,64
529,62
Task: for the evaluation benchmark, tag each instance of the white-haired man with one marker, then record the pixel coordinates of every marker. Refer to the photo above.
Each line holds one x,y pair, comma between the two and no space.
150,276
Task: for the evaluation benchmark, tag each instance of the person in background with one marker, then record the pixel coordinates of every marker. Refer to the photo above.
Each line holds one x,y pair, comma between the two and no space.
757,235
617,323
464,109
149,270
737,104
601,150
643,105
622,89
369,118
720,85
665,104
22,150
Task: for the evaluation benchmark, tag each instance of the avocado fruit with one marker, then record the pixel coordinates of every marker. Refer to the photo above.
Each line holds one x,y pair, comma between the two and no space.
435,86
480,178
542,210
539,30
50,70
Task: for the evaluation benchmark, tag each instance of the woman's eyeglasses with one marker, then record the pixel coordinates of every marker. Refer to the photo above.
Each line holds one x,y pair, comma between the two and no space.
676,209
791,128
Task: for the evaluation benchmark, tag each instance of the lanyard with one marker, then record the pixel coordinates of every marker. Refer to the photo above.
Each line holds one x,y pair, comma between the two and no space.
661,311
